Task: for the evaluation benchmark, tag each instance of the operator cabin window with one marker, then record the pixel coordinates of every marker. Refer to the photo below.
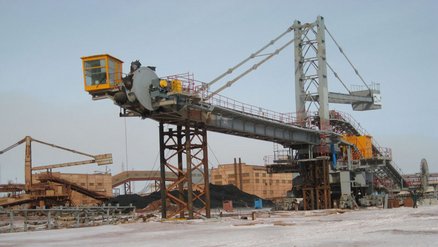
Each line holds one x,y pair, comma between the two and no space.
95,72
112,71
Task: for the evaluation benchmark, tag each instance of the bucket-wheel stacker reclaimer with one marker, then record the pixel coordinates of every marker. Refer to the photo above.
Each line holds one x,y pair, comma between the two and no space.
333,155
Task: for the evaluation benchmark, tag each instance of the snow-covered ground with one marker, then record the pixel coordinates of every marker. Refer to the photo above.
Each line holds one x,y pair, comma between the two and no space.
367,227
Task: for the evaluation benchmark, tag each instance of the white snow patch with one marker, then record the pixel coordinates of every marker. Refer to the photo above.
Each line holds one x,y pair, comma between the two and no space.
368,227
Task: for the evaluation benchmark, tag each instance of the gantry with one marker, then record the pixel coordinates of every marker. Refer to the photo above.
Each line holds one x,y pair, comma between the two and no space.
316,140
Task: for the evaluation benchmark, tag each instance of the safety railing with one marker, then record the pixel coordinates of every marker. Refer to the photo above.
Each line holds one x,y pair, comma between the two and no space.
343,116
222,101
383,152
373,86
17,220
197,88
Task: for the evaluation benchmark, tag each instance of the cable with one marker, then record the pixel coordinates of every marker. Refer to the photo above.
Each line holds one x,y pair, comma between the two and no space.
337,77
126,146
214,155
345,55
229,71
254,67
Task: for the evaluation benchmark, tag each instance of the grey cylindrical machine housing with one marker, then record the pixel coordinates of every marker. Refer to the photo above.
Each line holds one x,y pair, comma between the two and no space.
142,81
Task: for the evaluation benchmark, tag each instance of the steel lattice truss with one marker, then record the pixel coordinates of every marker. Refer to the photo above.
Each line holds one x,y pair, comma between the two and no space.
189,143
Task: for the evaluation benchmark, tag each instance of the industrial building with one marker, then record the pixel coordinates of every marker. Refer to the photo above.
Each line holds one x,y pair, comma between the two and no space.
47,189
414,180
99,183
252,179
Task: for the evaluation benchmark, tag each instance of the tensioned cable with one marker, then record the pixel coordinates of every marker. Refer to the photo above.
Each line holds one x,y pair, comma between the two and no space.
345,55
209,147
337,77
126,146
254,67
229,71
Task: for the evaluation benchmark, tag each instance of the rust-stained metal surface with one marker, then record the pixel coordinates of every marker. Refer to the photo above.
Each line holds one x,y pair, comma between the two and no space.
175,145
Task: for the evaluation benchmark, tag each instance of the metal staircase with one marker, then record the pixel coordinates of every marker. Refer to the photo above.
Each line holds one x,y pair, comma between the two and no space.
73,186
387,173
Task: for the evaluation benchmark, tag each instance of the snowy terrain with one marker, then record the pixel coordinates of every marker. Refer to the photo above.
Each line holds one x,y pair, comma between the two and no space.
367,227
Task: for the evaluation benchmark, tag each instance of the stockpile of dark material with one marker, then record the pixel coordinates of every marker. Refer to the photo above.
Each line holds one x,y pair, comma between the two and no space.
134,199
218,194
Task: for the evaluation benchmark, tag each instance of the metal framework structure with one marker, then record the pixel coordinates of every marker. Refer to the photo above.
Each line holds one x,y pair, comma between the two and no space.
191,142
316,186
195,109
101,159
311,73
16,220
35,193
311,70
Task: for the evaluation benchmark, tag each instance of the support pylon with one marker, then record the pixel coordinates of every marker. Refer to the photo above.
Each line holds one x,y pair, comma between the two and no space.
191,142
311,77
316,187
28,164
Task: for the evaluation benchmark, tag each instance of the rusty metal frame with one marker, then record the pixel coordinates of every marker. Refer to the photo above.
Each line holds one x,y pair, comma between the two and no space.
191,142
316,187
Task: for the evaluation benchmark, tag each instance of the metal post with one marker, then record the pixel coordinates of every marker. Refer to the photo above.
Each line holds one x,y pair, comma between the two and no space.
322,76
11,220
113,216
108,216
162,172
206,173
180,147
189,171
28,164
86,220
78,220
25,221
240,174
349,158
49,220
300,93
235,173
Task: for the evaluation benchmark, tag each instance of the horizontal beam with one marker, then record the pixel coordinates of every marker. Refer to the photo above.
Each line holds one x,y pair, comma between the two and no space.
101,159
76,163
227,121
340,98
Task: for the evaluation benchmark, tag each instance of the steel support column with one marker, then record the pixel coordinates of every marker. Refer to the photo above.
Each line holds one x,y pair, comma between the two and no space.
28,164
180,169
162,172
322,75
192,197
300,93
311,76
316,186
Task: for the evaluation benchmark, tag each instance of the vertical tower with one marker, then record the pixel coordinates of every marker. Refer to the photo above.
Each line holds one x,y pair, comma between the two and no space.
300,94
311,71
189,142
28,163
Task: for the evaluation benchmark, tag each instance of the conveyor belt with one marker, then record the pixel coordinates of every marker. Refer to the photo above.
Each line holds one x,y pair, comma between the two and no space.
73,186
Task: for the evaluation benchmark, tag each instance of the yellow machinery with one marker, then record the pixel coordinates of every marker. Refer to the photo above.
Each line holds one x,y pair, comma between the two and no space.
176,86
102,73
363,144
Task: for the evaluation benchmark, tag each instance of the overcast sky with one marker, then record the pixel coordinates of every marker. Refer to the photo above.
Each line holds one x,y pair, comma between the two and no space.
41,94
